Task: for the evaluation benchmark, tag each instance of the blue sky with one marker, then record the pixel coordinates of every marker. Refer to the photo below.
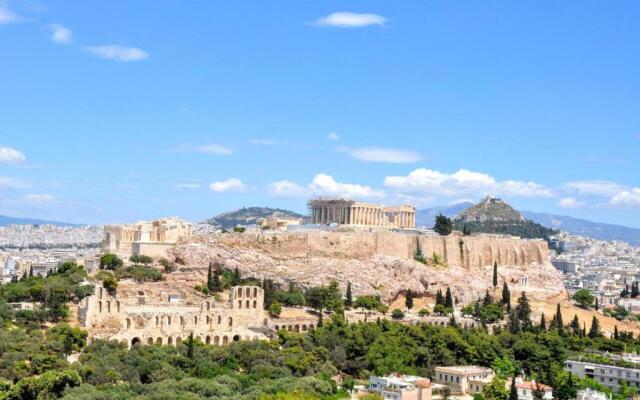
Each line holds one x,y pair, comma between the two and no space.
118,111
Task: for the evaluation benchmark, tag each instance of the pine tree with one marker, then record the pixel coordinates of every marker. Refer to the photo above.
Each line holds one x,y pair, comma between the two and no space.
439,297
594,331
348,301
615,332
506,296
513,391
409,299
558,323
543,324
514,324
523,312
487,299
448,300
495,274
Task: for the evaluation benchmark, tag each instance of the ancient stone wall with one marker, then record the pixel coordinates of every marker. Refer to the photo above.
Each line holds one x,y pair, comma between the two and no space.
158,317
469,252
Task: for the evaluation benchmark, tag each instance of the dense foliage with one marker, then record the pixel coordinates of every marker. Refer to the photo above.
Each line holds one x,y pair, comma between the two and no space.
525,229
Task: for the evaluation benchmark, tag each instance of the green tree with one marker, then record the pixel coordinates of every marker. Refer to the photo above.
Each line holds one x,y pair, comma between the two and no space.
496,389
583,297
594,331
523,312
439,297
495,274
348,301
275,309
443,225
397,314
408,302
575,326
506,296
543,324
110,261
448,299
513,390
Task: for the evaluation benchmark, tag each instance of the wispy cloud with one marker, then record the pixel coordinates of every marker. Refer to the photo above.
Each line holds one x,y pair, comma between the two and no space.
6,15
382,155
11,156
187,186
230,185
118,53
7,183
627,198
60,34
461,182
39,198
265,142
211,148
350,20
594,188
333,136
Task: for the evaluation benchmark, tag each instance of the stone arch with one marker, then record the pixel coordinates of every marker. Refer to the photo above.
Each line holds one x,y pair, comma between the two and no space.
159,340
100,295
208,305
150,340
296,328
255,292
255,304
225,340
128,322
178,340
310,326
169,320
239,292
135,341
239,303
265,321
277,328
247,292
248,304
219,319
236,338
230,321
216,340
169,340
117,306
208,319
304,328
108,306
290,328
195,320
181,320
157,320
208,340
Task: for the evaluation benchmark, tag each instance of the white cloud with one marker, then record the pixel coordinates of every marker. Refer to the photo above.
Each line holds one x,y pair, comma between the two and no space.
60,34
288,189
333,136
461,182
11,156
118,53
39,198
7,16
350,20
188,186
594,187
214,149
627,198
230,185
382,155
323,185
266,142
570,202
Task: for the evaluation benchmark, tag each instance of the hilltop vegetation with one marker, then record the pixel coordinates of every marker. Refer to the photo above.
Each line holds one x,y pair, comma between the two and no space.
249,216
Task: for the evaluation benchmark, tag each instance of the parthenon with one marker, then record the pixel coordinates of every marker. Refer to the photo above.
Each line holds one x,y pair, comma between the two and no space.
350,212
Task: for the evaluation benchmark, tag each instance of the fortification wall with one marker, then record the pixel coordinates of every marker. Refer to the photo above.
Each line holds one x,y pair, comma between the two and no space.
469,252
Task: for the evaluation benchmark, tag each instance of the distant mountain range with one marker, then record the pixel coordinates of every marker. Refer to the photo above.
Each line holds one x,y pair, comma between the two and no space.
4,221
576,226
249,216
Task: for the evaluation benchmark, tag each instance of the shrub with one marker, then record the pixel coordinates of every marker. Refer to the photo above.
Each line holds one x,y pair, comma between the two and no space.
275,309
423,312
397,314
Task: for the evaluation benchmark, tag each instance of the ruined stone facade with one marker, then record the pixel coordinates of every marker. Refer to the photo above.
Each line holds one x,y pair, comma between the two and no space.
144,238
169,317
349,212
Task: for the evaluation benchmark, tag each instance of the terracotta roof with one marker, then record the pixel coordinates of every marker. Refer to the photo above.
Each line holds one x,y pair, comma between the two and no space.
533,386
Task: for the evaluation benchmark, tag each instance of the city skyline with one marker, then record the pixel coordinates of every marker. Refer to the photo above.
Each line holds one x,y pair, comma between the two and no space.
188,111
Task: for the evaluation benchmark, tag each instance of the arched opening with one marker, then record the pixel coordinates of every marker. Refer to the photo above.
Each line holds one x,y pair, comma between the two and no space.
208,306
236,338
277,328
117,306
255,304
248,304
304,328
207,319
225,340
178,340
100,296
297,329
265,321
159,340
216,340
290,328
128,323
150,340
255,292
239,303
99,306
170,341
208,340
135,341
310,326
157,320
181,320
239,292
230,321
247,292
169,320
195,320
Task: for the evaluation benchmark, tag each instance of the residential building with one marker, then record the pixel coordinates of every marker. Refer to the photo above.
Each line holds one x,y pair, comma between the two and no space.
610,376
401,387
468,379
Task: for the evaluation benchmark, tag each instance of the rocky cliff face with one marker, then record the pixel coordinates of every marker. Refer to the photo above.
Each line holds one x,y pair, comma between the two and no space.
380,263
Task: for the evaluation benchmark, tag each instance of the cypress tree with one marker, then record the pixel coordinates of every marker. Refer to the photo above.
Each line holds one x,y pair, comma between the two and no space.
615,332
448,300
514,324
597,306
575,325
523,312
543,324
216,284
439,298
506,296
594,331
409,299
495,274
348,301
210,285
190,346
236,278
487,299
513,391
320,320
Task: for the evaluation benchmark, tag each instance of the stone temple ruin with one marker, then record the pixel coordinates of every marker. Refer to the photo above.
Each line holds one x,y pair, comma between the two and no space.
142,316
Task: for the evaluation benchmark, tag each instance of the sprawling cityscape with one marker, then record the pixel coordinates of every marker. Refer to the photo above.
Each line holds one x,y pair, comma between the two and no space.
331,200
